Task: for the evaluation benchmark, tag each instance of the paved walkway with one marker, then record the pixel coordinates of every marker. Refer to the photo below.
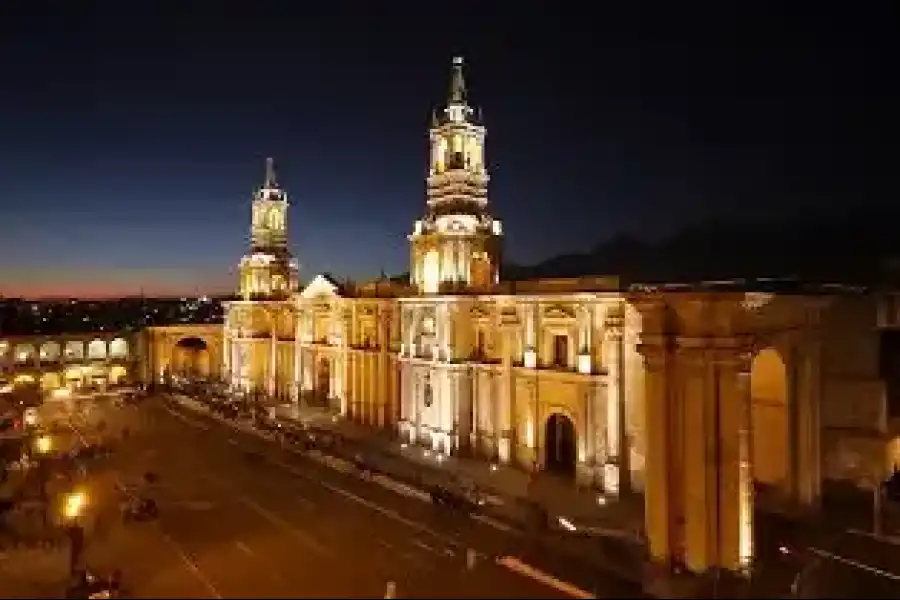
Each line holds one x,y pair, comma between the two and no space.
588,510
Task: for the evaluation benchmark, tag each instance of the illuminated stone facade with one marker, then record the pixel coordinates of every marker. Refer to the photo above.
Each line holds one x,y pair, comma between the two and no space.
188,351
73,361
747,387
686,395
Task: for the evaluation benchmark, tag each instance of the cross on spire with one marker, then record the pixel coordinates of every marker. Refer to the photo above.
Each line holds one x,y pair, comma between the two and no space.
270,182
457,82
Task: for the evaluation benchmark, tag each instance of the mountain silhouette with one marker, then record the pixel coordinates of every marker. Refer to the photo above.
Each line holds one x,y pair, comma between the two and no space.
852,248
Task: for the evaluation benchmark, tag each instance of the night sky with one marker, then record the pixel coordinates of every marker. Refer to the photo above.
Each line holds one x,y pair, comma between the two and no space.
131,140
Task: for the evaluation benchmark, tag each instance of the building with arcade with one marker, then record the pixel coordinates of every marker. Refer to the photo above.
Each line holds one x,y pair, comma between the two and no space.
705,399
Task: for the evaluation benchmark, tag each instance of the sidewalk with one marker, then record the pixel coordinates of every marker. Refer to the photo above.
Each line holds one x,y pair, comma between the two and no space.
499,484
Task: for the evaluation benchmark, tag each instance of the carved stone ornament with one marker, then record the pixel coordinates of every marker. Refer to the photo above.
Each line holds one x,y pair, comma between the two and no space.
479,312
756,300
558,311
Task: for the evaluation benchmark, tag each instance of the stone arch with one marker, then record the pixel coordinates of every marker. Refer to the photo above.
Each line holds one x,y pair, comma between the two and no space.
560,444
50,381
191,358
50,351
74,350
118,375
431,272
24,353
74,377
769,397
24,380
97,349
118,348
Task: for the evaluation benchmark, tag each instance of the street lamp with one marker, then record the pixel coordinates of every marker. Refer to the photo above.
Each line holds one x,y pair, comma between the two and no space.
74,504
43,444
73,507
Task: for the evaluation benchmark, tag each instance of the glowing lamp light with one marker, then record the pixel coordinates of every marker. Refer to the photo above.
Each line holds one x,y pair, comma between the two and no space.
74,505
43,444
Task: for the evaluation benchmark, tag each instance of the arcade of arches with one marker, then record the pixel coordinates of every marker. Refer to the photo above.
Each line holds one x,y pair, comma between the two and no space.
769,421
45,365
190,359
721,377
715,387
189,351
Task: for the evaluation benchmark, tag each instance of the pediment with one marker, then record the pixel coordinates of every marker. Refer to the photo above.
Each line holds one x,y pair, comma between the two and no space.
321,287
479,312
558,311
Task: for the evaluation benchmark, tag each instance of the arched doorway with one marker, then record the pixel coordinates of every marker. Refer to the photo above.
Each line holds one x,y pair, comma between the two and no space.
190,359
769,414
323,381
560,448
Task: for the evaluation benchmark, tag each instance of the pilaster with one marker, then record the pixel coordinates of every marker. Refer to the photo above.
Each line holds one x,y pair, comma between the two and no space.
658,490
808,428
506,441
693,428
615,479
735,429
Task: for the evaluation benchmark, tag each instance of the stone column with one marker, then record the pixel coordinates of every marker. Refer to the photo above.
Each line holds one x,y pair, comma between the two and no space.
584,358
475,393
506,434
407,410
383,375
616,474
226,350
809,400
273,362
735,502
694,440
298,363
658,489
529,357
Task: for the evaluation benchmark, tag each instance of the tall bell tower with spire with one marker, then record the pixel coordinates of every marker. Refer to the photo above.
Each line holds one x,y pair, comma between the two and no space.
456,245
267,272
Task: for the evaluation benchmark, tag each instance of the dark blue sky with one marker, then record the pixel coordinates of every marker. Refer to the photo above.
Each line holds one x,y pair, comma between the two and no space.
131,140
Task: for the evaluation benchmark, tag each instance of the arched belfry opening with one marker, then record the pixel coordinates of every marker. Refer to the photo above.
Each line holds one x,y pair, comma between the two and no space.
560,445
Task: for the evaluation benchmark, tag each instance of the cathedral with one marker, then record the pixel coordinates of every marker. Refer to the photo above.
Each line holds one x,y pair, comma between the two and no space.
542,374
707,398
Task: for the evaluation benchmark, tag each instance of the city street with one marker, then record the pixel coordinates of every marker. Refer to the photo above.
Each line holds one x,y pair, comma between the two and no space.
240,518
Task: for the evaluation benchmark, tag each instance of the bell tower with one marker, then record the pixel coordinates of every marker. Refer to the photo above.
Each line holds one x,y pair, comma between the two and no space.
456,245
267,272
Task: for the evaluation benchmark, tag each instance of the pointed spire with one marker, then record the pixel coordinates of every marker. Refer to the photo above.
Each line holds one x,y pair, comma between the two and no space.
270,182
457,83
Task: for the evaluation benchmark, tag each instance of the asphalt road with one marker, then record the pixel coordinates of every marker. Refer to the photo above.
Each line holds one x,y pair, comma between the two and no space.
241,518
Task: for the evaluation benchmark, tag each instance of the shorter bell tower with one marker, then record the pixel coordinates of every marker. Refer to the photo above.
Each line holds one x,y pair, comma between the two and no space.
456,245
268,272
